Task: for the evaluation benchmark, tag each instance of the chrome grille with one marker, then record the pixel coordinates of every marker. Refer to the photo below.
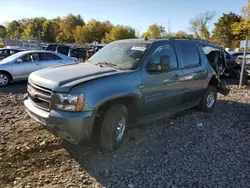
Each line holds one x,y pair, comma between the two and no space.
40,96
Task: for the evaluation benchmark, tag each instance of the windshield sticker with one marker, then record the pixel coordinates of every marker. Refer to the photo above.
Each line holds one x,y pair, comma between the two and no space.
139,48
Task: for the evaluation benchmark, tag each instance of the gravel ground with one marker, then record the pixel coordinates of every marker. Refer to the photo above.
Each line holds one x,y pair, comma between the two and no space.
192,149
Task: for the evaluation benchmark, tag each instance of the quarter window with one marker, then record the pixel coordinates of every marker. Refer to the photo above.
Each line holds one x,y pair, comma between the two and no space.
165,50
189,54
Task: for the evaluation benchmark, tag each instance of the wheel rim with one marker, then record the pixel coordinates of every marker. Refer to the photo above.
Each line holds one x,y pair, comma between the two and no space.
120,129
210,99
3,79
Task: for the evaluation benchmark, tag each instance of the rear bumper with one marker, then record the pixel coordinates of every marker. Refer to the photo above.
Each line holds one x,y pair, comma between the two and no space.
75,127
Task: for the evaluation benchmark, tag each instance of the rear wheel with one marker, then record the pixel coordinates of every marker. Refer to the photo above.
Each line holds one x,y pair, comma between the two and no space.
113,127
209,99
4,79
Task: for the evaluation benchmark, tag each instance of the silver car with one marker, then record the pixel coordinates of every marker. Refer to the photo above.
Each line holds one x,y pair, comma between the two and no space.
19,66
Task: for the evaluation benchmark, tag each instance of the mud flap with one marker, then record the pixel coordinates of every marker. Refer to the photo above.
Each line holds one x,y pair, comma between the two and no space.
222,89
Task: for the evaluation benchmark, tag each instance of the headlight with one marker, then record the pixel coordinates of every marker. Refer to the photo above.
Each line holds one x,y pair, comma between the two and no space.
69,102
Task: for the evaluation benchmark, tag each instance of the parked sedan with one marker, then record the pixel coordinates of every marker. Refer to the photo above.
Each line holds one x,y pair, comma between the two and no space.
18,66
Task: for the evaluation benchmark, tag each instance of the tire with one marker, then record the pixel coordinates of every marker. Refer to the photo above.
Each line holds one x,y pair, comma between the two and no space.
116,115
4,79
205,105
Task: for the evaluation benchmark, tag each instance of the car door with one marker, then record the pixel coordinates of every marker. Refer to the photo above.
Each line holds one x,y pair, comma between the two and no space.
29,64
194,70
160,91
49,60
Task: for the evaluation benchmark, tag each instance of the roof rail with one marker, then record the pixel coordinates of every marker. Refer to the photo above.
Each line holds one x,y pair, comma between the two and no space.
186,38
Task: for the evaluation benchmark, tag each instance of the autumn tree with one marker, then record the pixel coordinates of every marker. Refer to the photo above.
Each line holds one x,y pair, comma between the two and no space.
155,31
2,31
241,29
119,32
67,28
14,29
92,31
199,25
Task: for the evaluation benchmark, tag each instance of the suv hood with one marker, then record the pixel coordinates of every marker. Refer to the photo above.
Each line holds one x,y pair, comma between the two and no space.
63,77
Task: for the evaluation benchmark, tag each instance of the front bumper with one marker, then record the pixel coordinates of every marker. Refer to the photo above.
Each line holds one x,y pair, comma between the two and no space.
72,126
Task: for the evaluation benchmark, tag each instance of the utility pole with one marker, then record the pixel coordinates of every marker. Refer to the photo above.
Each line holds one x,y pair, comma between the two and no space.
243,63
169,26
244,56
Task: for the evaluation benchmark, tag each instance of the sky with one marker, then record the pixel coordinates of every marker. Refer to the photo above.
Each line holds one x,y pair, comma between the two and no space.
138,14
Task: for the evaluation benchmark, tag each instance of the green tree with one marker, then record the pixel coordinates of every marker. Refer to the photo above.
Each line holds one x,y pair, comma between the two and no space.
92,31
155,31
33,27
119,32
14,29
67,28
223,33
2,31
50,30
199,25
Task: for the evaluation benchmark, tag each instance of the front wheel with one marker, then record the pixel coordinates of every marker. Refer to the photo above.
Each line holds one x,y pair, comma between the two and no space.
209,99
4,79
113,127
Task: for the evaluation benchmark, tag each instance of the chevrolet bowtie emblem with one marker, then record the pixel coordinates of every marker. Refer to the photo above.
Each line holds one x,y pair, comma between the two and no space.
33,92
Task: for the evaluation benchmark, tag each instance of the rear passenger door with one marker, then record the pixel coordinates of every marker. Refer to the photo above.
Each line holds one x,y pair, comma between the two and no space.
194,71
162,90
49,59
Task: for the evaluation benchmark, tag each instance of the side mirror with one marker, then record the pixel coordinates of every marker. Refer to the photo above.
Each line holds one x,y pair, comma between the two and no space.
152,67
19,60
165,63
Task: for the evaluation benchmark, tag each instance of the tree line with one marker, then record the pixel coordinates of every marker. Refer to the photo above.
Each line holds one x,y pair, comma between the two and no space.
228,30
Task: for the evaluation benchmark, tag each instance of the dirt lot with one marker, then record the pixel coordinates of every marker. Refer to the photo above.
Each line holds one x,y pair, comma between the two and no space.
192,149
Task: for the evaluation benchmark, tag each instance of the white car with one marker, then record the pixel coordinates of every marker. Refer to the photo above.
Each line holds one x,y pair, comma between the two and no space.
19,66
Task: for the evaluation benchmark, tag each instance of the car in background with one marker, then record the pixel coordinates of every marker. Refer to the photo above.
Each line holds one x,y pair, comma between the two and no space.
246,72
93,49
51,47
79,53
6,52
63,49
19,66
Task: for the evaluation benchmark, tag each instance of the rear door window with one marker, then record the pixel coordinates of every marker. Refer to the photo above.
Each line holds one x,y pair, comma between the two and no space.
190,55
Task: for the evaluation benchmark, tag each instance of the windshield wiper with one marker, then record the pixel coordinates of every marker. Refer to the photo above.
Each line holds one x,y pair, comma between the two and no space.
109,64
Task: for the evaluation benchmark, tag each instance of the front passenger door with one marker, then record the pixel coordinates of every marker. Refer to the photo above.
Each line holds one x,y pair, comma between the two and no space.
29,64
162,90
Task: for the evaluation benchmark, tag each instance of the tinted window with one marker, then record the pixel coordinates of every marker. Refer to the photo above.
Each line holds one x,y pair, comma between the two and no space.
63,50
165,50
51,47
48,57
189,54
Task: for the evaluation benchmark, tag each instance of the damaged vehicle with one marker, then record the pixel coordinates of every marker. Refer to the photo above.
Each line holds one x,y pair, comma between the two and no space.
127,82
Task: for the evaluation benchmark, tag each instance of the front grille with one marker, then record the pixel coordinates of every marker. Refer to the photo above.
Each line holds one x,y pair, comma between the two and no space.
40,96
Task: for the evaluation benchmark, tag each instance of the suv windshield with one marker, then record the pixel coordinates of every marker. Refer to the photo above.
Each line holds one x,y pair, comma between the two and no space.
125,56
